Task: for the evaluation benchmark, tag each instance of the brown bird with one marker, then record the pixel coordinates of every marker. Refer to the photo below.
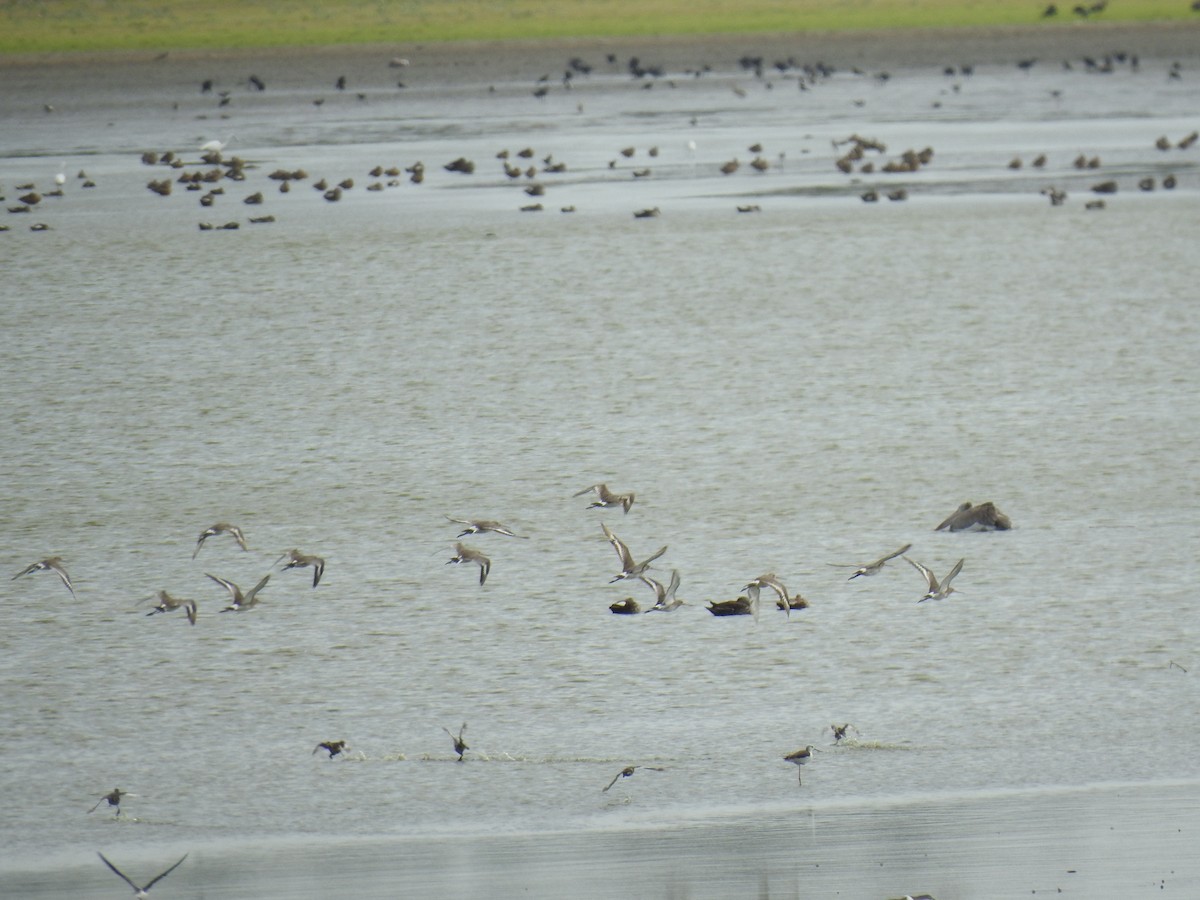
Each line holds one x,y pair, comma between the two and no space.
220,528
629,568
984,517
465,554
626,772
297,560
606,498
50,564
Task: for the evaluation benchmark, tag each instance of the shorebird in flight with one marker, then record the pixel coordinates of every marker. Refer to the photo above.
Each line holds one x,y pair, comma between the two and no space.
629,568
50,564
141,893
465,554
240,601
984,517
460,746
297,560
800,759
167,603
875,567
626,772
937,590
333,748
478,526
606,498
220,528
113,798
839,731
664,597
771,580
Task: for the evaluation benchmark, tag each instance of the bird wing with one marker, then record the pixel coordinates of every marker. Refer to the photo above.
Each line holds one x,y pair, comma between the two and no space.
157,878
953,572
234,590
249,598
240,538
119,873
930,579
62,573
954,517
598,488
619,546
891,556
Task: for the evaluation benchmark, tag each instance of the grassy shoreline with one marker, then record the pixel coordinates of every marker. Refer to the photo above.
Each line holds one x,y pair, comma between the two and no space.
88,26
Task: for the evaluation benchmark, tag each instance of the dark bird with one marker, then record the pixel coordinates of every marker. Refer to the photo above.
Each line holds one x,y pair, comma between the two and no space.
50,564
839,731
220,528
460,746
626,772
333,748
113,798
606,498
141,892
742,606
984,517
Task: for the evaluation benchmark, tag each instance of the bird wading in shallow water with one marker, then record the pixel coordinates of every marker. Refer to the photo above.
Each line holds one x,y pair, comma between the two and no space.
800,758
113,798
333,748
460,746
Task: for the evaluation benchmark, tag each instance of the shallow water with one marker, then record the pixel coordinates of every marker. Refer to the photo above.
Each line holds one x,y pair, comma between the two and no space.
817,383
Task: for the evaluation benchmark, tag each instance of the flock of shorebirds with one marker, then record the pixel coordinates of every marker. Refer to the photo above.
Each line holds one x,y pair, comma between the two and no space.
209,173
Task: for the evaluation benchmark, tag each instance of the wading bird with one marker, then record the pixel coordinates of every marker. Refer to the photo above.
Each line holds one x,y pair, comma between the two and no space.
626,772
606,498
937,590
460,746
240,601
297,560
875,567
984,517
465,554
477,526
113,798
220,528
333,748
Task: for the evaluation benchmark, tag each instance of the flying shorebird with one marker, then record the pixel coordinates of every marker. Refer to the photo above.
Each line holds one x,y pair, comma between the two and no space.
664,597
51,564
606,498
297,560
331,747
875,567
629,568
984,517
113,798
220,528
477,526
465,554
800,759
460,746
167,603
239,600
626,772
839,731
141,893
771,580
936,590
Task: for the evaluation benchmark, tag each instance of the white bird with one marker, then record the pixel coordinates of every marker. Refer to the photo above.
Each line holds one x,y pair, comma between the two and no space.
141,893
937,590
629,568
215,146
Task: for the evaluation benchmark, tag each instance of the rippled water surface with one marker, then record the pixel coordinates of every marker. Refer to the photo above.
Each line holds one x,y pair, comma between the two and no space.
815,383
